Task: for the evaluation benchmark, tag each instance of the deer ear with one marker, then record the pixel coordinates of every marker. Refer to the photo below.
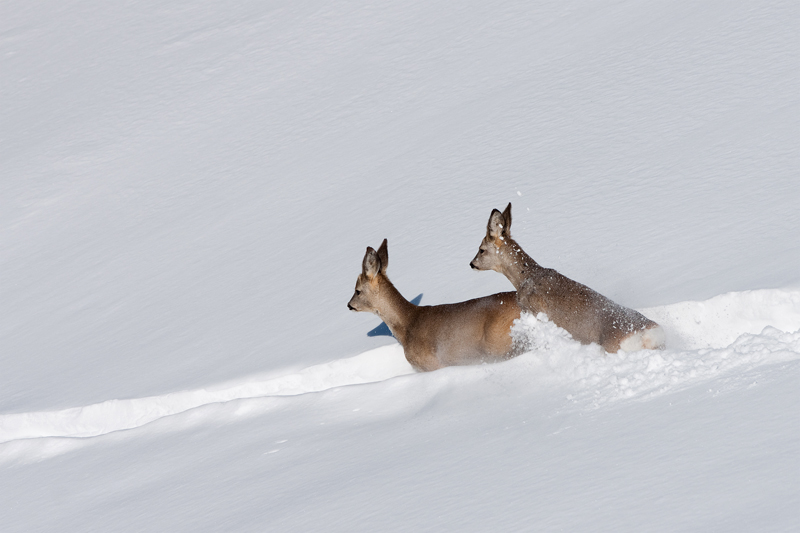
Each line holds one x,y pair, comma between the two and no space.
383,255
494,228
507,217
371,264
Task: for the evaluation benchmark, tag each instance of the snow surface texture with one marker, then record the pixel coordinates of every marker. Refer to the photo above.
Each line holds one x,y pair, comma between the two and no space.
186,193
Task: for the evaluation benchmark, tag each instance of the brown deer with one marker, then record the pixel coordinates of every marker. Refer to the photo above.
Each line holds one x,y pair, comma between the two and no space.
435,336
586,314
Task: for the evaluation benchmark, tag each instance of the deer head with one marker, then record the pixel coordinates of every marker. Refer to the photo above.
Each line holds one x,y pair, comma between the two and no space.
494,248
367,295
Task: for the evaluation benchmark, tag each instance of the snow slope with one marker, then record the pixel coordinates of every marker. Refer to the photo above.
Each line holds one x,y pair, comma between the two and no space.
561,437
186,192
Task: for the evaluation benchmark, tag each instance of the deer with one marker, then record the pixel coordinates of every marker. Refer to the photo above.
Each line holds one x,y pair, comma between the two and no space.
435,336
584,313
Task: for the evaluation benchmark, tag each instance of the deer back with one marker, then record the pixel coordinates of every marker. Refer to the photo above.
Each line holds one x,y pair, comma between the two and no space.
586,314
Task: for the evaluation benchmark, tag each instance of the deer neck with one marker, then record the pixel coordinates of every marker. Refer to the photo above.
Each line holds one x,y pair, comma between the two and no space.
395,310
517,266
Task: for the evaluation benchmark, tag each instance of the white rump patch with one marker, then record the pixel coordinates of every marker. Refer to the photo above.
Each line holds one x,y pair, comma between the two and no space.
649,339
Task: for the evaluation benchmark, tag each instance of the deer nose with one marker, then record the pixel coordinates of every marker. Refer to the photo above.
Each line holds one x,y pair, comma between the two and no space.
350,307
473,266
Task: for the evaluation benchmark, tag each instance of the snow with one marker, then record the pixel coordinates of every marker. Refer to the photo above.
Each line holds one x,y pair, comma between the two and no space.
553,356
186,193
113,415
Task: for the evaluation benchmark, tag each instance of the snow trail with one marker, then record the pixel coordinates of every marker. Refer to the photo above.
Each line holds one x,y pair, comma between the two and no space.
596,379
114,415
704,339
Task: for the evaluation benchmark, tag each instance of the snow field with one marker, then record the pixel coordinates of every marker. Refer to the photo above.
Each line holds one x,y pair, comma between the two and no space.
186,192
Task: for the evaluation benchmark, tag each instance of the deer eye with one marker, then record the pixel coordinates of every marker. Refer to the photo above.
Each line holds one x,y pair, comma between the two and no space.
358,292
482,251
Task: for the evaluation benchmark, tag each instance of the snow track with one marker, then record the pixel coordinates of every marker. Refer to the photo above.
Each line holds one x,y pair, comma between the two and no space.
739,330
705,339
114,415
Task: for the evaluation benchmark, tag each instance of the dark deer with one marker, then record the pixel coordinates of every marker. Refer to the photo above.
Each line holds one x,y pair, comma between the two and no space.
586,314
435,336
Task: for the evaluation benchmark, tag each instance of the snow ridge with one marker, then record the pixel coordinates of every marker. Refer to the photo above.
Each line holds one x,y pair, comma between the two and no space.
114,415
705,339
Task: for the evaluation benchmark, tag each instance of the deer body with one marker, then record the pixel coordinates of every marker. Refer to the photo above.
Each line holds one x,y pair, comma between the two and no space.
435,336
586,314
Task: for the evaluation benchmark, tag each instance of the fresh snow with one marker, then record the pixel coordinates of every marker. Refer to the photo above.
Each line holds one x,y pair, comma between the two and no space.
186,193
731,331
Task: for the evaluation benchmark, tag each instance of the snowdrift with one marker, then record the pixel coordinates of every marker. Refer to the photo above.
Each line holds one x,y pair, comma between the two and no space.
735,331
